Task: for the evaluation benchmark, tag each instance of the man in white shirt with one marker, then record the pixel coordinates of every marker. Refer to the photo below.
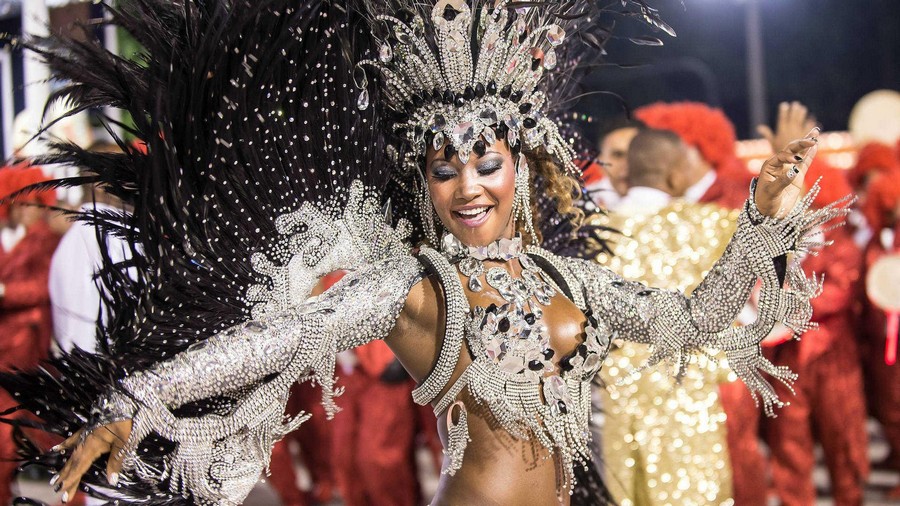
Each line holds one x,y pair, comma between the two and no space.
660,161
74,293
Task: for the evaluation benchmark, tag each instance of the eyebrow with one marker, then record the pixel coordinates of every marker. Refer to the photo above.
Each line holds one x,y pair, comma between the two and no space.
488,152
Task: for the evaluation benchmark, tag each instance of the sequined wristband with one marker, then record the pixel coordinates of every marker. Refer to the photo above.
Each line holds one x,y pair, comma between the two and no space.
113,407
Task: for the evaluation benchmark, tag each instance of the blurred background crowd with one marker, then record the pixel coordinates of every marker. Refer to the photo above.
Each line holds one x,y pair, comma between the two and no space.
671,174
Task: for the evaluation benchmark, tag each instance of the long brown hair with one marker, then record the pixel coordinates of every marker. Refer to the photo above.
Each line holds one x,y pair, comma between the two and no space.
548,178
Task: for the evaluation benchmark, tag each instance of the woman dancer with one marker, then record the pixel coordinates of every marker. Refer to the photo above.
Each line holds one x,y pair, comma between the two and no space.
258,180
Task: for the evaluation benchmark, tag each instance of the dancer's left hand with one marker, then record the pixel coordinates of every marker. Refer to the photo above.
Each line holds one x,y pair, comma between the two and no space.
780,183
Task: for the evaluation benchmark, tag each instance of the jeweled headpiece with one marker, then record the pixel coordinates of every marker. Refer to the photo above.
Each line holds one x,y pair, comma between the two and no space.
461,74
471,76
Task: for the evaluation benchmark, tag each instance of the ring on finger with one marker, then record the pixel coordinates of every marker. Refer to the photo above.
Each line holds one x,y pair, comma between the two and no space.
793,171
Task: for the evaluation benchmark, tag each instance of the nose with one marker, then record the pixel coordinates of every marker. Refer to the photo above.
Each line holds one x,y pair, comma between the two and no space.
469,186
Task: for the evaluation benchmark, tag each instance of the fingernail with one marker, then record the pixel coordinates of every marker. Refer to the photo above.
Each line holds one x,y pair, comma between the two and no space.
114,479
54,480
65,497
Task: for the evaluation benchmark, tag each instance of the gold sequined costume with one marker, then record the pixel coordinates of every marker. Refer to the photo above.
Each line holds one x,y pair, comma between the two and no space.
664,443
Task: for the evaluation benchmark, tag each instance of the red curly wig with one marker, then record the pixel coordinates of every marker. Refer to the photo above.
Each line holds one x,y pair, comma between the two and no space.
699,125
883,198
834,184
873,157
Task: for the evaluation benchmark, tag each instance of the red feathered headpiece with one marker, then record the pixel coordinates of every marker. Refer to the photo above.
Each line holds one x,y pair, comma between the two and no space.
882,199
833,186
873,157
701,126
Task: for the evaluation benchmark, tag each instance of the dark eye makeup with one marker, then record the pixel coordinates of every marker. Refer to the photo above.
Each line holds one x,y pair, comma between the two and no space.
487,167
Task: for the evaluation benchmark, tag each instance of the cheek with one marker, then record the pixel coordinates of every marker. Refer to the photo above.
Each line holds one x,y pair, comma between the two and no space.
502,188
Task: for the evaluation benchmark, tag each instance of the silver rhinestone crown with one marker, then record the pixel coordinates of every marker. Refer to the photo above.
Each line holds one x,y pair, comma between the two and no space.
472,80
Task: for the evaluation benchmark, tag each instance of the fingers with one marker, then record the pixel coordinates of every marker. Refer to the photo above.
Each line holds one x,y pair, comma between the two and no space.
69,443
82,457
114,464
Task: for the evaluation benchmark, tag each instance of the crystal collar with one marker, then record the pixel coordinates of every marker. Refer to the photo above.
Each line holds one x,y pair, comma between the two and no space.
501,249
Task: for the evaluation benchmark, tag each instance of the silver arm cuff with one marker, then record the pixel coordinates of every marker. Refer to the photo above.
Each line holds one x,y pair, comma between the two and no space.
678,326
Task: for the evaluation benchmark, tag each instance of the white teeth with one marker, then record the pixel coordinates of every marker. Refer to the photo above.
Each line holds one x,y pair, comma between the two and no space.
473,212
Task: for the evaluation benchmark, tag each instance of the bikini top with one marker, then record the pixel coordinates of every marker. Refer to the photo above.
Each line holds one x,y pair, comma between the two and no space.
512,372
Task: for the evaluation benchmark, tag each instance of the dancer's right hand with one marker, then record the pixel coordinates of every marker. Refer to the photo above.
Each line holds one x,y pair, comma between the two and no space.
85,449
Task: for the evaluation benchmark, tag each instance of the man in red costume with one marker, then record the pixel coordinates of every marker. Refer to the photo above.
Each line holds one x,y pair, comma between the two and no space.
873,161
882,210
828,393
716,174
26,247
371,441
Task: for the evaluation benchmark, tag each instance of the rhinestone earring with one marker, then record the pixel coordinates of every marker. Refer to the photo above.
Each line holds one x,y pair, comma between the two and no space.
522,198
426,213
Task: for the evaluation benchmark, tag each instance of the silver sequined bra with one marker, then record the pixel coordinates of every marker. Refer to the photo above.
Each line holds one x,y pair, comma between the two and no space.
245,373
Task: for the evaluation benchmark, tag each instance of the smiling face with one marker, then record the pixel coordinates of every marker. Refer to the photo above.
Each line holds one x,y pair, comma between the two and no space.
473,200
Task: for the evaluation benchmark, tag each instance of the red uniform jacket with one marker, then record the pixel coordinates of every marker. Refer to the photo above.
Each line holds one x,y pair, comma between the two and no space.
25,324
727,192
833,310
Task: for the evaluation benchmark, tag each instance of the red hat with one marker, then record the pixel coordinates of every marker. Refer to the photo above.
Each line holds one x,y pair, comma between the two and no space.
883,197
698,125
833,185
873,157
13,179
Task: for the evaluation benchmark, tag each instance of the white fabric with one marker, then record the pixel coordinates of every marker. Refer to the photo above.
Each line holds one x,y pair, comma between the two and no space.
10,237
698,189
603,194
74,296
642,200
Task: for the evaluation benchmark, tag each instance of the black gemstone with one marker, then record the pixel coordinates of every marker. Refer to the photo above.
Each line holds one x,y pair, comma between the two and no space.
515,97
429,136
501,130
530,318
535,365
469,94
562,407
479,90
417,100
565,365
535,63
492,308
548,354
618,283
419,131
436,94
426,97
644,293
449,13
408,105
459,100
449,152
530,122
582,349
506,91
448,97
525,108
479,147
503,325
492,87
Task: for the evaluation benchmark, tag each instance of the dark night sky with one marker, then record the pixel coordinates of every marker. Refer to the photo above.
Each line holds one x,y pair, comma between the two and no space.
825,53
